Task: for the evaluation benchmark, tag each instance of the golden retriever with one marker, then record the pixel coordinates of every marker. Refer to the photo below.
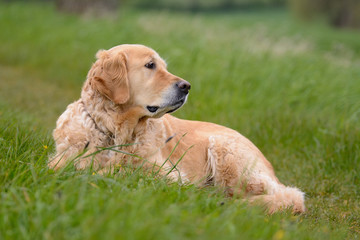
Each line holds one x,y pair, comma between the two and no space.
125,103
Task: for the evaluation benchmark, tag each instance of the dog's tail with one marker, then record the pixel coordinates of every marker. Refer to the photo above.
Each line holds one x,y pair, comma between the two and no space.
283,198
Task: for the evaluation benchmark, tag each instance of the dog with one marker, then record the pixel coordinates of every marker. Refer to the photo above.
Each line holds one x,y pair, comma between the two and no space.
124,110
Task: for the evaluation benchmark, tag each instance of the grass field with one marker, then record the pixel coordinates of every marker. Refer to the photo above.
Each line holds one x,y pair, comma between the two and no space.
292,88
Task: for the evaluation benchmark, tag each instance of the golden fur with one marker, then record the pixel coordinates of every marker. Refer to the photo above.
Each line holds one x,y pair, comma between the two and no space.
124,100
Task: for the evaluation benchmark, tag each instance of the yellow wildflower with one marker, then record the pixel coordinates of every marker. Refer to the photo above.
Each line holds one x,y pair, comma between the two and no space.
279,235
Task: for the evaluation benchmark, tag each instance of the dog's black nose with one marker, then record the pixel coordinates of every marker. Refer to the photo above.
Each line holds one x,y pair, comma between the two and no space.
184,86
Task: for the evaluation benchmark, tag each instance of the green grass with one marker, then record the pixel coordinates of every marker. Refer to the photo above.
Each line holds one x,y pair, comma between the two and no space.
293,89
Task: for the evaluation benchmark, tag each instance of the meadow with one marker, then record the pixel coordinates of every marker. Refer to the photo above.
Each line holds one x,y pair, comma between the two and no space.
292,88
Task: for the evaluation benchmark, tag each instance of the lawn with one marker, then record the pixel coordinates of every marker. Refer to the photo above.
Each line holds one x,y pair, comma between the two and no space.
292,88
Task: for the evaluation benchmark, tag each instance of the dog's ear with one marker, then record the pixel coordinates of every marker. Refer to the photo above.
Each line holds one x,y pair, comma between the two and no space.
110,76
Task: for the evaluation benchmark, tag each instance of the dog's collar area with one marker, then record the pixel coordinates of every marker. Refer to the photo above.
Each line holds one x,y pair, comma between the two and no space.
109,135
169,138
152,109
86,145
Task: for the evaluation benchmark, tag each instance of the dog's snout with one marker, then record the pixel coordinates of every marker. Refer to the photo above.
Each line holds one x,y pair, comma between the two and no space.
184,86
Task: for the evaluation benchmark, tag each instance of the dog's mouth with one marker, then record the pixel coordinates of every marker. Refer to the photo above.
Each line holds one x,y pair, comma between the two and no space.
152,109
177,106
166,109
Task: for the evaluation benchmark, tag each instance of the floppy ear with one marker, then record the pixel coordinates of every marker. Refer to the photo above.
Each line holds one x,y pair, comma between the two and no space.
110,76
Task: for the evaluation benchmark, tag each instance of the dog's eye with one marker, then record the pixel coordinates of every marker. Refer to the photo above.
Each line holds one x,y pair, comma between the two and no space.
150,65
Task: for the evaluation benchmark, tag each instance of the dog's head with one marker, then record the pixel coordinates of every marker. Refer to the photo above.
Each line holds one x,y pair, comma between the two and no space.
136,75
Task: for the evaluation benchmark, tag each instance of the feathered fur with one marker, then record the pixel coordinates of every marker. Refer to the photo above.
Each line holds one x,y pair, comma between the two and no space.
125,99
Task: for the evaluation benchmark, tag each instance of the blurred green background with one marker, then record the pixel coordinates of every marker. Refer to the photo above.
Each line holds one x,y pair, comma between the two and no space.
283,73
345,13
